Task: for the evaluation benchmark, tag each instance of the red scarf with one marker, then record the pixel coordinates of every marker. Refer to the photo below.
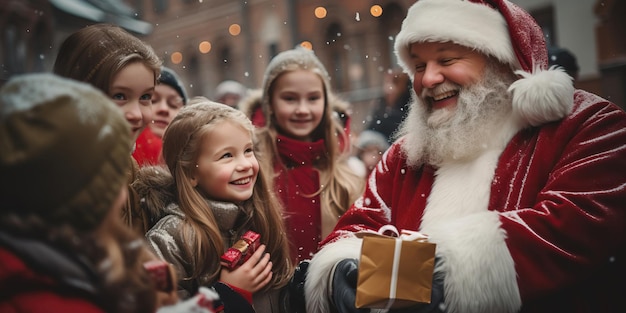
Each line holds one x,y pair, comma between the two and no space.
297,179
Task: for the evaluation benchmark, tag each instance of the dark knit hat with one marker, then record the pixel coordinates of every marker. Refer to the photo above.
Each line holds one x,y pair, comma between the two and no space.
64,150
170,78
564,58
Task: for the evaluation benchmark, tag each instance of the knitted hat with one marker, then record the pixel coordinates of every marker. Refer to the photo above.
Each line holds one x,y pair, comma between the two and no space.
170,78
297,58
64,150
372,138
230,87
500,29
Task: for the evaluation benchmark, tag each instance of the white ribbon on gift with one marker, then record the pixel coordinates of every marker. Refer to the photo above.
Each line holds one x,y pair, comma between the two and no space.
404,235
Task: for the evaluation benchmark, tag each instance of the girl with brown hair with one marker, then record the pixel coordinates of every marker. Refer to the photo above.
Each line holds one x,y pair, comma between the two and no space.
124,68
210,194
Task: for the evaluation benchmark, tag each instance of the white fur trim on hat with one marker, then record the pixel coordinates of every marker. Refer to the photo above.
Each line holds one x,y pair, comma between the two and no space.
468,24
551,92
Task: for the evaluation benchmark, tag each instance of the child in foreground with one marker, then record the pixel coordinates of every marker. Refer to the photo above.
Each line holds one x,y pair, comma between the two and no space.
64,153
210,194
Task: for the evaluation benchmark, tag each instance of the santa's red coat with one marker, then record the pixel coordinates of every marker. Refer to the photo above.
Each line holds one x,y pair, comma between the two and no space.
547,233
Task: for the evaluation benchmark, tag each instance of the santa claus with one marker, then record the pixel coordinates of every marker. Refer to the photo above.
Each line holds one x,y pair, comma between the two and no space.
516,176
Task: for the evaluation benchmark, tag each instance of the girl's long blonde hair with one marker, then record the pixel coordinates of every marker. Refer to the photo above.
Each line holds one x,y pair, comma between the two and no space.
181,148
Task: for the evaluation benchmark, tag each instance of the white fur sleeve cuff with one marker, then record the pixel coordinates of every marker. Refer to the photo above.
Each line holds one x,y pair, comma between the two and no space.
317,287
479,272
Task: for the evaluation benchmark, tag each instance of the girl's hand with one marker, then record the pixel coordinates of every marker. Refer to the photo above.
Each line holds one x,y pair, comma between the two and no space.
252,275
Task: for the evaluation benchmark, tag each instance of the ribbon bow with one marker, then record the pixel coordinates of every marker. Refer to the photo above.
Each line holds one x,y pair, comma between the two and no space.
391,231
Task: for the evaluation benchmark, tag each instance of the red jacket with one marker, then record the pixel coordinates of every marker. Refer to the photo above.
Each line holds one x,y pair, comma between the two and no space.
541,228
148,148
23,290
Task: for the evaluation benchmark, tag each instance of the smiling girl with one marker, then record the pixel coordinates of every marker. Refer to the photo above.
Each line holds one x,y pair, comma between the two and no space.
307,144
125,69
116,62
210,194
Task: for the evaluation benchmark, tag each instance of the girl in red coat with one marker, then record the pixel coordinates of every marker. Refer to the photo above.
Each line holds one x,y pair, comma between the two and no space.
305,139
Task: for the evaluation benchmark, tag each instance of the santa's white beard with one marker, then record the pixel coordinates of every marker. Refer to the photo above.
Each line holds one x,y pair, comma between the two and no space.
461,133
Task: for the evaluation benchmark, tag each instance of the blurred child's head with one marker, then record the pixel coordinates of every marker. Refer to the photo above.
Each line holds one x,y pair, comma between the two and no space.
371,145
209,147
116,62
64,151
292,78
64,158
169,97
230,92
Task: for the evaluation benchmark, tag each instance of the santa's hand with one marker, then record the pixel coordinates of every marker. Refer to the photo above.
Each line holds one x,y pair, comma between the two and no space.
296,288
252,275
344,286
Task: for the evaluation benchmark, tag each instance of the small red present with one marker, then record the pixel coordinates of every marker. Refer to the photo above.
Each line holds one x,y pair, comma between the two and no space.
159,270
253,240
232,257
241,251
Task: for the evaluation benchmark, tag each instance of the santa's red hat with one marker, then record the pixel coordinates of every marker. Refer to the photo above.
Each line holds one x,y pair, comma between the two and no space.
500,29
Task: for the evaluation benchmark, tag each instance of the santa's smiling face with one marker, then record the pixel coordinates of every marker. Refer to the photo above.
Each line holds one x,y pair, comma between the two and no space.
462,101
441,70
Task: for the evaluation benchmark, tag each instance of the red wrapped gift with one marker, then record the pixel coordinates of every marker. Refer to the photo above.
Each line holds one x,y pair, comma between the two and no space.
231,258
253,240
160,272
241,251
